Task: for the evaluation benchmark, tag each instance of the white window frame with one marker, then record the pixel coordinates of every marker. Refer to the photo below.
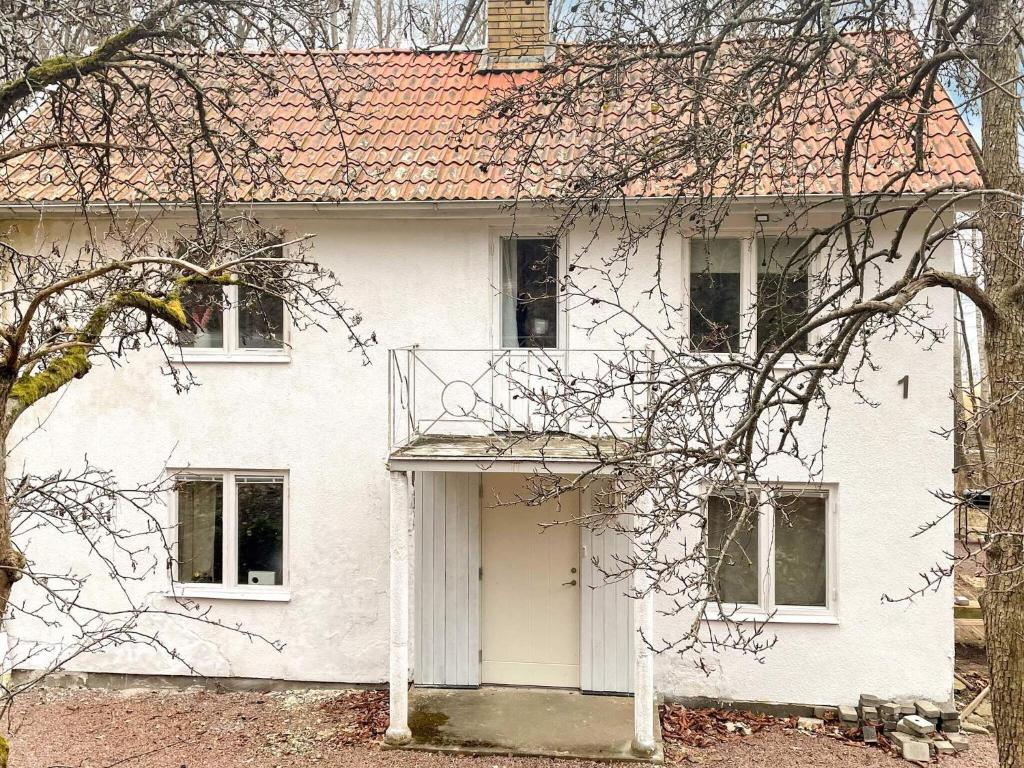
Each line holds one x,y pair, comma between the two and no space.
229,589
232,351
497,234
766,609
750,252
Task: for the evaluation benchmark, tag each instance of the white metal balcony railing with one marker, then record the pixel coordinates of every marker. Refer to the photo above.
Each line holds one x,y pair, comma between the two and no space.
480,392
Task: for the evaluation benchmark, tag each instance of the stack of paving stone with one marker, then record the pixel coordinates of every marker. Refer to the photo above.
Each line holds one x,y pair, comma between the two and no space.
919,728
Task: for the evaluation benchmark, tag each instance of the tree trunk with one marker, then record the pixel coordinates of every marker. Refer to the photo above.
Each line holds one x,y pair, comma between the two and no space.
11,560
1001,228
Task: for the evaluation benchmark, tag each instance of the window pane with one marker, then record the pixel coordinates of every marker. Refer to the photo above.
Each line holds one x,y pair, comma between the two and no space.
204,306
715,295
800,559
260,320
781,295
260,531
200,530
738,577
529,287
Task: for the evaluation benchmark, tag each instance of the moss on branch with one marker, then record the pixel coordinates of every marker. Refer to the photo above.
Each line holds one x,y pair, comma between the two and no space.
74,363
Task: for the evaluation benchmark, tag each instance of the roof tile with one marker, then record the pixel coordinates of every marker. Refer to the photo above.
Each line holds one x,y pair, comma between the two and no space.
412,126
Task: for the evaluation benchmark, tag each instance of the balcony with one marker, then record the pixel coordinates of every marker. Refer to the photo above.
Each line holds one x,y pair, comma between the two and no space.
512,403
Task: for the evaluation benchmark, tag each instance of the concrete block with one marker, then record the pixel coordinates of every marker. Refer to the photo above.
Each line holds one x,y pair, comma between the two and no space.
889,711
867,700
950,726
959,741
916,725
943,747
848,714
870,734
869,714
889,725
948,711
917,751
899,738
907,707
927,709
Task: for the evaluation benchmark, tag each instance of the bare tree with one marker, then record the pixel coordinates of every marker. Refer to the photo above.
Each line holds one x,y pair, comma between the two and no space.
88,94
705,105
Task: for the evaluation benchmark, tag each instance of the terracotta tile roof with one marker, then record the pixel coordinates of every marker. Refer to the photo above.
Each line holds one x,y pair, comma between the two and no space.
411,126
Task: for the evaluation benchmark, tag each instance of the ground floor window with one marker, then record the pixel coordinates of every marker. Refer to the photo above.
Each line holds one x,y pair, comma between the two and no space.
230,528
772,548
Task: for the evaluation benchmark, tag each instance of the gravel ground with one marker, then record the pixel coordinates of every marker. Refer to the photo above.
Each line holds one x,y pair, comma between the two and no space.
199,729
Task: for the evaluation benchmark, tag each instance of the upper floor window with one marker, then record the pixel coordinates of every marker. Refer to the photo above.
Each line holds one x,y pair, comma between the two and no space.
230,529
746,292
773,549
781,295
232,320
715,294
529,292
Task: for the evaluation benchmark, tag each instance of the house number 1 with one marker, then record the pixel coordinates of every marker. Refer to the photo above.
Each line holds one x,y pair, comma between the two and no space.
905,381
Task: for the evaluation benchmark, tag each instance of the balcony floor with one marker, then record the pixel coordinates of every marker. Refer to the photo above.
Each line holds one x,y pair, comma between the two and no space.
509,447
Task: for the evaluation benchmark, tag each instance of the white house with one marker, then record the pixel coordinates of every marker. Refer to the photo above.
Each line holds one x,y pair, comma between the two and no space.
348,511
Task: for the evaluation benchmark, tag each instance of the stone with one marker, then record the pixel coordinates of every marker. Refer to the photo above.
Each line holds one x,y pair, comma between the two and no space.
915,725
959,741
848,714
927,709
809,723
889,711
917,751
973,725
869,714
825,713
943,747
870,734
741,728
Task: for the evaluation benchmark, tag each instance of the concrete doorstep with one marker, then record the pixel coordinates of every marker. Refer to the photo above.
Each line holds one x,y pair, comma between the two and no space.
536,722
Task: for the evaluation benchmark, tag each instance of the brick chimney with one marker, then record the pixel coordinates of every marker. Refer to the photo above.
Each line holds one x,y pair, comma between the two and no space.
517,35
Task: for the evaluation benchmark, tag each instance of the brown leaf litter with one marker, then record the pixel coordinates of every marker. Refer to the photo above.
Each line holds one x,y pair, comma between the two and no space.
707,727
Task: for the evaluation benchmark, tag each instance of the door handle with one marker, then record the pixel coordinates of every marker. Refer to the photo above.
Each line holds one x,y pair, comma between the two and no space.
569,583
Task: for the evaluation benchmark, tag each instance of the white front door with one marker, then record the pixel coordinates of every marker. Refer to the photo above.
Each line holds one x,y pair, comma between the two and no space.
530,590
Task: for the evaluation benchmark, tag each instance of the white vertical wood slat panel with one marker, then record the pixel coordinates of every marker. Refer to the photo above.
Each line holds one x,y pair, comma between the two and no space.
474,491
606,659
448,586
437,599
424,563
452,513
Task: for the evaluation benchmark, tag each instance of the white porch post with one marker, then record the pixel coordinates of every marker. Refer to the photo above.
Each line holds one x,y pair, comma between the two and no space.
398,678
643,671
643,679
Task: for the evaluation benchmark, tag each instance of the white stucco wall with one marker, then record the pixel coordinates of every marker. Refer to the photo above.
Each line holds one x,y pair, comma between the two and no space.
323,418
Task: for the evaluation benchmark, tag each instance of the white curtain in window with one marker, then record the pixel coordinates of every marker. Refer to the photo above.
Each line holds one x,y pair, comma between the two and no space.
509,292
801,549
